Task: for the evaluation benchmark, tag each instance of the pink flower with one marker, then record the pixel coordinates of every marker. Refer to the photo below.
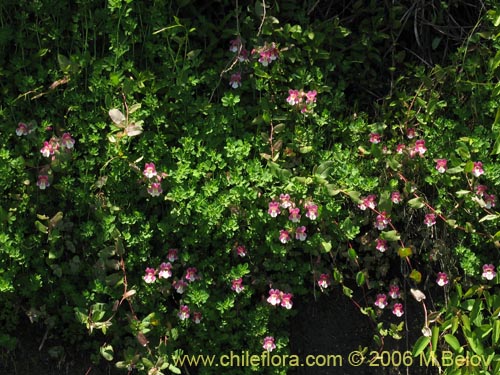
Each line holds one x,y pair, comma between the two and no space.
237,285
47,149
430,220
43,181
400,148
368,202
172,255
183,312
149,170
197,317
286,300
265,58
294,214
382,220
150,277
381,245
284,236
311,97
191,274
324,281
235,45
22,129
381,301
489,272
300,233
374,138
489,200
179,286
285,201
481,189
410,133
394,291
274,209
243,56
312,211
274,297
294,97
441,165
395,197
420,147
241,251
67,141
155,189
442,279
269,344
235,80
478,169
398,310
165,271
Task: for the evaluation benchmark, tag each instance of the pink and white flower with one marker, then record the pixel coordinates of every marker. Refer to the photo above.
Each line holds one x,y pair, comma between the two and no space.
285,201
191,274
150,276
284,236
67,142
477,170
381,245
324,281
269,344
179,286
442,279
311,97
481,189
22,129
311,211
420,147
274,209
165,271
274,297
294,97
410,133
241,251
183,313
235,80
374,138
43,181
400,148
381,301
286,300
300,233
47,149
368,202
489,200
489,272
398,310
172,255
382,220
235,45
155,189
394,291
150,170
237,285
441,165
197,317
294,214
430,220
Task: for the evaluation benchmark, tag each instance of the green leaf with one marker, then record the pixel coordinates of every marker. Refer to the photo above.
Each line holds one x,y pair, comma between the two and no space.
416,276
495,337
352,254
489,217
416,203
326,245
434,337
360,278
404,252
333,190
453,342
420,345
391,235
107,352
347,291
461,193
42,228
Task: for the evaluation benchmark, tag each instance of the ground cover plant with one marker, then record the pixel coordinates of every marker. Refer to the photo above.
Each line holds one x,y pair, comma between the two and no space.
175,175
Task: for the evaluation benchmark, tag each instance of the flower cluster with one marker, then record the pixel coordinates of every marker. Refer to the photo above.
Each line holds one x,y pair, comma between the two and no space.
302,100
154,179
267,53
381,300
25,129
277,297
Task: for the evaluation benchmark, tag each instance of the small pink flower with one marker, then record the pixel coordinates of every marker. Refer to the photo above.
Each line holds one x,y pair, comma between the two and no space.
398,310
22,129
265,58
274,209
284,236
442,279
183,312
381,245
235,80
172,255
300,233
191,274
237,285
382,220
286,300
396,197
478,169
149,170
311,97
489,200
410,133
324,281
155,189
481,189
150,276
165,271
43,181
235,45
420,147
243,56
430,220
394,291
197,317
241,251
294,214
400,148
274,297
179,286
374,138
381,301
441,165
294,97
312,211
368,202
285,201
47,149
489,272
269,344
67,142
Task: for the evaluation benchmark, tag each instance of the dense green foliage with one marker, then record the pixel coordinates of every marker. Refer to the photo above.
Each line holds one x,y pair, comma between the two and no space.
139,82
